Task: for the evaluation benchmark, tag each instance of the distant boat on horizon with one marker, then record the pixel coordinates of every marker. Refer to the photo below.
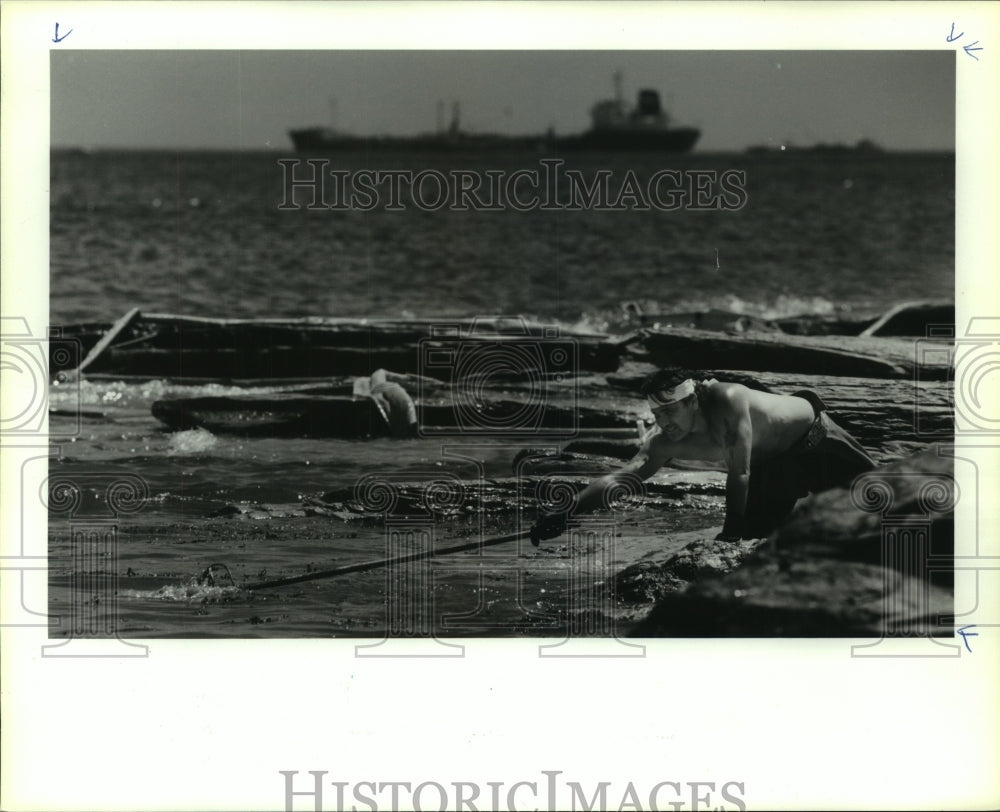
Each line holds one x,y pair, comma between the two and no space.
865,147
614,128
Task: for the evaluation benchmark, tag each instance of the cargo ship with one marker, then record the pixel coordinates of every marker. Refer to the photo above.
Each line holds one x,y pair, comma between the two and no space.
615,127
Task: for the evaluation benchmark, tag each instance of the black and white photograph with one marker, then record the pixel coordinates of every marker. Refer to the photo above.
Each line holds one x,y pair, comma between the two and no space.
514,343
654,361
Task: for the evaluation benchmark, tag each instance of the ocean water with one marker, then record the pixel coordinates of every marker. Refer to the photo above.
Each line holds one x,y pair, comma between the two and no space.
203,234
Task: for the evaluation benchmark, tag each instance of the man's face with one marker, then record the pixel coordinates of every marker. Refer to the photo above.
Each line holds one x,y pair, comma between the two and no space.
675,419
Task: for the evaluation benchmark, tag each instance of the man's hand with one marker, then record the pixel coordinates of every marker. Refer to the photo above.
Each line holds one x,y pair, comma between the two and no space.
548,527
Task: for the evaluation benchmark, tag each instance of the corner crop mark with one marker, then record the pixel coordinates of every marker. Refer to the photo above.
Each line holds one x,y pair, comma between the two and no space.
57,38
953,37
966,635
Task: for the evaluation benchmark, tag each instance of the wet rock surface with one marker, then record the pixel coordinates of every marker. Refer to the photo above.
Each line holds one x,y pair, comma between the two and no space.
646,582
908,502
711,557
649,580
873,561
821,598
763,351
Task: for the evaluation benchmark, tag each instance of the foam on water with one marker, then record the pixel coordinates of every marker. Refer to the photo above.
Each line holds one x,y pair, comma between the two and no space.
192,441
116,394
779,307
783,306
190,592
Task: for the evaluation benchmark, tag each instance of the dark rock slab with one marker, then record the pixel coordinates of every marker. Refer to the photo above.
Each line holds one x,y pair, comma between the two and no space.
905,319
275,415
913,319
309,415
812,324
190,348
544,462
656,576
874,560
854,356
646,582
631,374
707,557
889,515
620,450
450,495
821,598
713,319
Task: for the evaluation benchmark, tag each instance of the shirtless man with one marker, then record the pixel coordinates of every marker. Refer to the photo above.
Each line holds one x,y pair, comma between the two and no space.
776,448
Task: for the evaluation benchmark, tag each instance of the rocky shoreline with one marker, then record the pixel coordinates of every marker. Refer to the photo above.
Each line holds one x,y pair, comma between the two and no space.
840,565
873,561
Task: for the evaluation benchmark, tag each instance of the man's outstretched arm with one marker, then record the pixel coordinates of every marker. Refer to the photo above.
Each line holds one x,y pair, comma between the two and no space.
652,456
641,466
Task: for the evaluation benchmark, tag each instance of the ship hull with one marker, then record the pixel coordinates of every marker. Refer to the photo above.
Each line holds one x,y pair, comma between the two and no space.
319,141
681,139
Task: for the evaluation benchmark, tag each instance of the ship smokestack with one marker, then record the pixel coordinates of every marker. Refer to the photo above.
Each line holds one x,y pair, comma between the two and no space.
649,103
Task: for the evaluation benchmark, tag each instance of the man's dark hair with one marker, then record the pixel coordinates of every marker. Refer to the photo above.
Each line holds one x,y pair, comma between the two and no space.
668,378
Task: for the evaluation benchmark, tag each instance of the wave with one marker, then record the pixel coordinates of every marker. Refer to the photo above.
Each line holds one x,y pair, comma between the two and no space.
191,441
779,307
116,395
189,592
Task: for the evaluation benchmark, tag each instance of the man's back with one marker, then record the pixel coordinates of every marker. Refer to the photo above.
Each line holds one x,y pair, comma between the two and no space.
776,423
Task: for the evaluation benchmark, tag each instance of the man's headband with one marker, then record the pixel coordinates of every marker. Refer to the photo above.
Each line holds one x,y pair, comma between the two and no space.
667,396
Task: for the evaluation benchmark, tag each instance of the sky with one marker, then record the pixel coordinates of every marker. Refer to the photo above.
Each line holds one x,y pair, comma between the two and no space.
249,99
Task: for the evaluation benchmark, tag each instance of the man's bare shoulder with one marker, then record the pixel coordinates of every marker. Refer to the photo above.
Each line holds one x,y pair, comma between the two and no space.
737,393
725,396
731,400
